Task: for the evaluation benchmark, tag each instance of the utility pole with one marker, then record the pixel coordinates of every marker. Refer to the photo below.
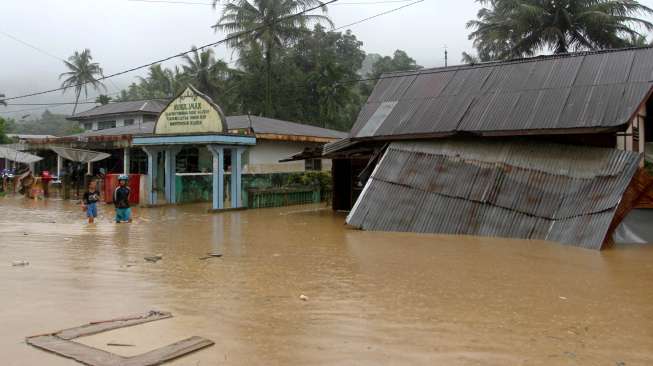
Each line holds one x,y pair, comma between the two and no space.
446,56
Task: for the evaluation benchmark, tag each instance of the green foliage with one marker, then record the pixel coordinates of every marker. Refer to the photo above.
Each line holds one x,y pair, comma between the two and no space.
83,72
47,124
3,132
103,99
270,26
310,80
400,61
517,28
311,179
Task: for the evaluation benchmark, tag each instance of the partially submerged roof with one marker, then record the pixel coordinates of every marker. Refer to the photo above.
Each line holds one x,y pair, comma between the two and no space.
264,128
522,190
116,108
590,91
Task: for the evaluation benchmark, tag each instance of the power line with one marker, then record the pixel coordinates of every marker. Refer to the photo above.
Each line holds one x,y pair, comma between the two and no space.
238,59
378,15
177,55
31,46
174,2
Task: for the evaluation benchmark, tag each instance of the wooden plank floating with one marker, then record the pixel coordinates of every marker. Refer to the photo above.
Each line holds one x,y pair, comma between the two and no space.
107,325
61,343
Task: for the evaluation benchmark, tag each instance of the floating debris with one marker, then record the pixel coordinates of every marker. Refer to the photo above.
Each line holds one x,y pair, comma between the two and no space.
114,344
303,297
155,258
62,343
20,263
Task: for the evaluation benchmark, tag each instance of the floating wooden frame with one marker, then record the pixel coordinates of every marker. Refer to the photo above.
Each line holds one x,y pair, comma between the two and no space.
61,343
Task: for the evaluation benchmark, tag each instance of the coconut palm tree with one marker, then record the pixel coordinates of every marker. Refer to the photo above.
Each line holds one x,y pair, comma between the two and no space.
206,73
516,28
82,73
269,23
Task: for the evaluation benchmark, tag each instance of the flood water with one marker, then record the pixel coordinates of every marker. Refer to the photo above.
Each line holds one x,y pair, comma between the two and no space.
373,298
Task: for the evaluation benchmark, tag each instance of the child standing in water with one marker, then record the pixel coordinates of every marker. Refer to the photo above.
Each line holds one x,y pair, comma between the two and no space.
90,200
121,200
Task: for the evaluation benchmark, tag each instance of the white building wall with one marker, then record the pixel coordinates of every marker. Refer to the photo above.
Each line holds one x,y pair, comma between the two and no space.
120,121
264,157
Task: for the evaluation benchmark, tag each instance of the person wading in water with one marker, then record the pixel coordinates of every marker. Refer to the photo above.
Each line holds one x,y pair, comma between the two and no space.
121,200
90,200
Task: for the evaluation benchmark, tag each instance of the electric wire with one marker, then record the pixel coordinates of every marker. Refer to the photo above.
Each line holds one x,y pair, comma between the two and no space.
208,45
238,59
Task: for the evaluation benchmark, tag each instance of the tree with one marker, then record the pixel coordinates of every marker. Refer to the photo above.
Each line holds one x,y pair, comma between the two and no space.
517,28
103,99
47,124
4,129
205,72
270,24
82,73
2,102
400,61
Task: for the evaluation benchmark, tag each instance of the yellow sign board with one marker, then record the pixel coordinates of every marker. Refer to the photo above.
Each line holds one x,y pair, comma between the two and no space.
191,112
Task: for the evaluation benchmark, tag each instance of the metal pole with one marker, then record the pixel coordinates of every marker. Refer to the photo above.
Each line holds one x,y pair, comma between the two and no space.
126,161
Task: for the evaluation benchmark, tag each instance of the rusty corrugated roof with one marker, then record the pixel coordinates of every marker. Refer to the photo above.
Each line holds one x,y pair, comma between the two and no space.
523,190
590,90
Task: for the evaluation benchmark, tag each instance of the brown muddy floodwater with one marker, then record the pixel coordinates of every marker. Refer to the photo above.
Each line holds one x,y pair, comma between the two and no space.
373,298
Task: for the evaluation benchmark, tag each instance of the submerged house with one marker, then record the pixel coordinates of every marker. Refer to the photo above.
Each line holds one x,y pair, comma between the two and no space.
538,148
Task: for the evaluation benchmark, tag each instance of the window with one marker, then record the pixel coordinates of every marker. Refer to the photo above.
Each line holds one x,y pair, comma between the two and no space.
188,160
313,164
149,118
106,124
129,122
88,126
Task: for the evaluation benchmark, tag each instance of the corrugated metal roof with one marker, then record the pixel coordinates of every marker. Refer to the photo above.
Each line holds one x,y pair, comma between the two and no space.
574,91
148,107
280,127
523,190
260,125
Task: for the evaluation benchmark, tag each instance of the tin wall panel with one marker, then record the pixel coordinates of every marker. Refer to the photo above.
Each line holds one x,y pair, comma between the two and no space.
495,189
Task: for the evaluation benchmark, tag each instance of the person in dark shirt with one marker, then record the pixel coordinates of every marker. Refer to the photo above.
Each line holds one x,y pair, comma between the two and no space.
121,200
90,200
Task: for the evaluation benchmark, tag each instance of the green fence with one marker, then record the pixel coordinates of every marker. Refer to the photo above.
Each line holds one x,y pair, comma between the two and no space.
271,190
277,197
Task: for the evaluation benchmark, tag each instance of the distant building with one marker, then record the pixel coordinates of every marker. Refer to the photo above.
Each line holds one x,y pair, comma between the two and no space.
119,114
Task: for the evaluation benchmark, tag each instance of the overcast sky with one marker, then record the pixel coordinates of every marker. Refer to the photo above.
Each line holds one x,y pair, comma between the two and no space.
122,34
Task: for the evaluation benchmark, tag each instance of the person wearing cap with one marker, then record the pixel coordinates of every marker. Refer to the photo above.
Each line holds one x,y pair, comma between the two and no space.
121,200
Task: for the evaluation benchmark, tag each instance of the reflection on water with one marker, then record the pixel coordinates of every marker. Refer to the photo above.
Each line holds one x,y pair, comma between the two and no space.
373,298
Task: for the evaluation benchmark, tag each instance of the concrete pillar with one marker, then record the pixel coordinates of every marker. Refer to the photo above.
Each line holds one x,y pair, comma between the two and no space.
89,168
218,176
126,160
171,173
236,177
59,166
152,155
